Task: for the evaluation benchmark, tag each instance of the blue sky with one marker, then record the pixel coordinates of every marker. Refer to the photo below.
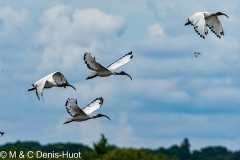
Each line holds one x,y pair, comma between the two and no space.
173,95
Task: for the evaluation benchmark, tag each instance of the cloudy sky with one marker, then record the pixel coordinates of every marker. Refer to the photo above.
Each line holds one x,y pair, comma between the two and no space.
173,95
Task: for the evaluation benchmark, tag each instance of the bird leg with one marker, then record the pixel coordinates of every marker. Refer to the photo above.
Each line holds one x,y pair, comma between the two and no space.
91,77
31,89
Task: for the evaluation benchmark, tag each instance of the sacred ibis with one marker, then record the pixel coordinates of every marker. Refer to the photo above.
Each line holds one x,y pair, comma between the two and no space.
55,79
1,133
102,71
202,20
196,54
83,114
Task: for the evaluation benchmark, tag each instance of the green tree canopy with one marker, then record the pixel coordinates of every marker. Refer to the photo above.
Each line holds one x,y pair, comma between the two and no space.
102,147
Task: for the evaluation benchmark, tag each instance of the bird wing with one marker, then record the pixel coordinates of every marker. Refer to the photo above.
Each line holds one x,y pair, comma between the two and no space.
93,106
72,107
92,63
40,87
215,25
121,61
199,23
59,78
1,133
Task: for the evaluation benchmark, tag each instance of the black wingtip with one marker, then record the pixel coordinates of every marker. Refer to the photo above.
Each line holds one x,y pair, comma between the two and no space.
187,23
37,96
129,53
101,99
84,56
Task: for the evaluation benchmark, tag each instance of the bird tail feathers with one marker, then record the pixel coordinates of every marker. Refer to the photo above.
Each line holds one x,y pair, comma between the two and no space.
68,120
92,74
31,89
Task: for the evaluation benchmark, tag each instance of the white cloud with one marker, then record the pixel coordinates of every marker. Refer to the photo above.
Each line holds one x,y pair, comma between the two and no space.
125,136
220,96
68,33
117,130
63,25
166,75
169,128
164,90
13,25
156,30
173,14
11,19
166,129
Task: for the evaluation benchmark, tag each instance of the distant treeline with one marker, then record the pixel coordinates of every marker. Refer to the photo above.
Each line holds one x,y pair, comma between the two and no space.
103,151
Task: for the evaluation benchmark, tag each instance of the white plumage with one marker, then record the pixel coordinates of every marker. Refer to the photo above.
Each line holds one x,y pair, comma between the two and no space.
55,79
85,113
101,70
202,20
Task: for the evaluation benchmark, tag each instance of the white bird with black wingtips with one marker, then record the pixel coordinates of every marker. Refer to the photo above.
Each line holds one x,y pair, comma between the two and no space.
202,20
55,79
104,72
1,134
85,113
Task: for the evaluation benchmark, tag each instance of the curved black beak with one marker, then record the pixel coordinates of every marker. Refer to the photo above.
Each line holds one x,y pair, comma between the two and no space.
225,15
128,76
106,117
102,115
70,86
220,13
65,85
124,73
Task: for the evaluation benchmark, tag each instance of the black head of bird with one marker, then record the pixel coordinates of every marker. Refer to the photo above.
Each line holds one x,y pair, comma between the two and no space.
66,85
101,115
220,13
124,73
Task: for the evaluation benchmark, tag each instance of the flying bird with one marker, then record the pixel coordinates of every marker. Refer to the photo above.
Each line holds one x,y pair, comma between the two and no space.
104,72
1,134
202,20
55,79
196,54
83,114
